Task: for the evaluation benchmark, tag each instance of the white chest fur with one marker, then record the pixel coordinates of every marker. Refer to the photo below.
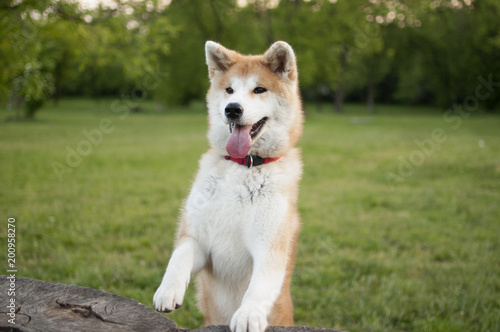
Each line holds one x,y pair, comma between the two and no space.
231,208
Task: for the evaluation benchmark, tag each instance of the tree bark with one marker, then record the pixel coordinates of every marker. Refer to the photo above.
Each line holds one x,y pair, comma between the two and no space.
370,100
47,306
340,91
41,306
339,97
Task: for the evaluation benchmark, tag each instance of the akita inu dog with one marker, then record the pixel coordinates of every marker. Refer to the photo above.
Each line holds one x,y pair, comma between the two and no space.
240,223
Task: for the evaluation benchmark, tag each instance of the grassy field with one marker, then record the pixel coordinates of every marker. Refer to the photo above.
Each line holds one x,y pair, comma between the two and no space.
400,210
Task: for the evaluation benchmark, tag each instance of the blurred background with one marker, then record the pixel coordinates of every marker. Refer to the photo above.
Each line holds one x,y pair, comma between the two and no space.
103,120
416,52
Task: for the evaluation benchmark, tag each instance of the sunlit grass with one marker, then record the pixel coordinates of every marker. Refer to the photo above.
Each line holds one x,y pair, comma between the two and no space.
420,253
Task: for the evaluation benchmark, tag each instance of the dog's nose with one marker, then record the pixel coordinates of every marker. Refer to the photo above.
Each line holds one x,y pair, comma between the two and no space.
233,111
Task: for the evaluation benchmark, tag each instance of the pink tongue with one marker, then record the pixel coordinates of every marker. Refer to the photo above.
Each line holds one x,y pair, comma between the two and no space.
239,142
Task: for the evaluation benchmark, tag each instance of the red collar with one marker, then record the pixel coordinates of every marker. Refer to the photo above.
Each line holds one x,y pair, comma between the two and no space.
250,161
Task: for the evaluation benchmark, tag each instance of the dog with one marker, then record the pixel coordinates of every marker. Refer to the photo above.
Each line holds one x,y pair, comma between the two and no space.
240,222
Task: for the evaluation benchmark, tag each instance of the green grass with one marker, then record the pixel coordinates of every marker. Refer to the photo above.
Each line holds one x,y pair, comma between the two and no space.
419,253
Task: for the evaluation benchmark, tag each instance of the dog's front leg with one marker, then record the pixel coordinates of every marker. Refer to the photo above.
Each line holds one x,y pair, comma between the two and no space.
187,260
265,285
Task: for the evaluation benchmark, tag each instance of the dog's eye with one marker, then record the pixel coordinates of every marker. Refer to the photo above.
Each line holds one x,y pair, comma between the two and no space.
259,89
229,90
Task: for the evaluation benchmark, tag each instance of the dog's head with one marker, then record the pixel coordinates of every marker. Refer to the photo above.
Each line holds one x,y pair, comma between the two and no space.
254,102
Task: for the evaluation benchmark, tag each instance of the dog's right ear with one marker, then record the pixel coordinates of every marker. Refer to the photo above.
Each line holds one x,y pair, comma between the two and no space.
281,60
219,58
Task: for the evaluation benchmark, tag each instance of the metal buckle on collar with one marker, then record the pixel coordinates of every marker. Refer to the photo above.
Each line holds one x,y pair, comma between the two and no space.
249,161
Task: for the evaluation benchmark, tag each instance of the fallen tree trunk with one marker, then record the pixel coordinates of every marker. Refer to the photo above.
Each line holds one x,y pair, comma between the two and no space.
48,306
29,305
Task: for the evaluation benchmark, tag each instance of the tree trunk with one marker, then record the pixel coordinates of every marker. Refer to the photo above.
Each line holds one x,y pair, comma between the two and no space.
340,91
370,100
339,97
57,93
46,306
28,305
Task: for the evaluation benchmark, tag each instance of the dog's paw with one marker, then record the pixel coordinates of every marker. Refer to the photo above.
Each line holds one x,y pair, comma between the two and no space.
249,319
170,294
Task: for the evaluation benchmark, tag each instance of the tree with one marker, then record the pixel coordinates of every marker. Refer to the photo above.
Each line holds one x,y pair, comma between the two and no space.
38,38
426,52
440,61
321,33
26,77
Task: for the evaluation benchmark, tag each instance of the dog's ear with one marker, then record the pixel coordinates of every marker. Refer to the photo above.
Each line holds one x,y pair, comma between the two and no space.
281,60
219,58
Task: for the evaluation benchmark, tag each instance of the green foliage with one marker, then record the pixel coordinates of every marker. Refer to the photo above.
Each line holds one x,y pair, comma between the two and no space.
35,86
38,43
454,45
419,254
26,74
196,22
417,52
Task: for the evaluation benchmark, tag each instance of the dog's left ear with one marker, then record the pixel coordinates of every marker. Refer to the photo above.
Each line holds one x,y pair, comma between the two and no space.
281,60
219,58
